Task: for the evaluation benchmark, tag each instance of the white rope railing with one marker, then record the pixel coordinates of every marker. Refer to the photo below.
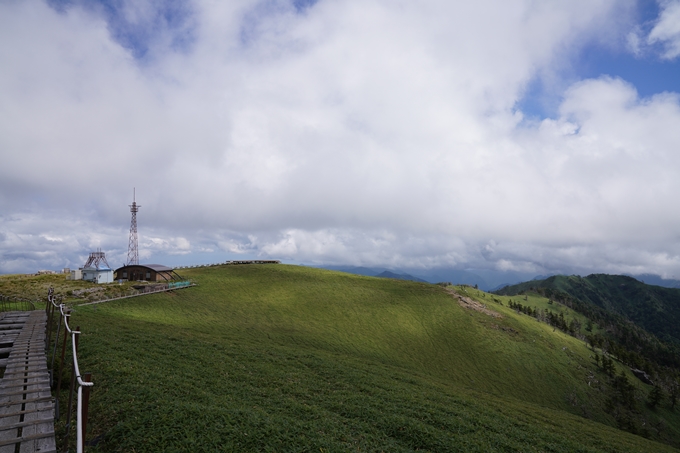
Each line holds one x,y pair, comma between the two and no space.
65,314
76,369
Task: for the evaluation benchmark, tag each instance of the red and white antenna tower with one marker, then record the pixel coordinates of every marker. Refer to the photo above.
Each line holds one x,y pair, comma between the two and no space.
133,251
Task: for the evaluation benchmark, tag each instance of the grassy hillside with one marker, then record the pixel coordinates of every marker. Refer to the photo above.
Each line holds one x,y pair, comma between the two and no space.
275,357
654,308
34,288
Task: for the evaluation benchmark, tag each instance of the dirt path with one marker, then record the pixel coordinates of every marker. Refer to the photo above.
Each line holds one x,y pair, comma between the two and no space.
471,304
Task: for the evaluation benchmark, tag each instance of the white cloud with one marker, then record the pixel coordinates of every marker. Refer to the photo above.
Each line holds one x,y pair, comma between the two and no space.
358,132
667,29
149,246
634,42
234,246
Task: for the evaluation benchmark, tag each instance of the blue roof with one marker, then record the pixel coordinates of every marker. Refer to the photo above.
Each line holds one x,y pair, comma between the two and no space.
97,269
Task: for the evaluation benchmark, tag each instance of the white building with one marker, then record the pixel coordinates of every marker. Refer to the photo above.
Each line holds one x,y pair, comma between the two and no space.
98,275
96,269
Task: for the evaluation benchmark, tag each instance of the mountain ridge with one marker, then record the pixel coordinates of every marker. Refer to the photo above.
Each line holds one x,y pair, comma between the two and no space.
654,308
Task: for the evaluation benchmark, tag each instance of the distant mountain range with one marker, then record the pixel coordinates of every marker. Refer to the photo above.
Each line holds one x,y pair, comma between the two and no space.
388,274
652,279
375,272
487,280
428,276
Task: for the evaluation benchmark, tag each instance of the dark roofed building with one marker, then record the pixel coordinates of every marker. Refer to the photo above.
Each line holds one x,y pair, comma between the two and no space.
147,272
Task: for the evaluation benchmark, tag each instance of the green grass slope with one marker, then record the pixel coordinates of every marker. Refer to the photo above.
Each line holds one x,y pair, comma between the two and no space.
289,358
23,287
654,308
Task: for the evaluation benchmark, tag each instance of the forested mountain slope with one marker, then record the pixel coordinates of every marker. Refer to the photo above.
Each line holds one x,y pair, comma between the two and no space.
654,308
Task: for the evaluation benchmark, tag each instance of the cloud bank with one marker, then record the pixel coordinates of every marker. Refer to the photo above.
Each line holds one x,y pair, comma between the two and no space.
337,132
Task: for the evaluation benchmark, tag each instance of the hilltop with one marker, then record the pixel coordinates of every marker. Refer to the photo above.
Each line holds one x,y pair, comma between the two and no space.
388,274
654,308
276,357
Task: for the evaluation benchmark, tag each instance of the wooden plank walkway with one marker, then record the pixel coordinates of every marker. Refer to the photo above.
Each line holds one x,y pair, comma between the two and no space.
26,407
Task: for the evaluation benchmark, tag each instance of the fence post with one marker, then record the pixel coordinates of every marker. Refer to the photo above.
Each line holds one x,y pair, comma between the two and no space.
70,395
48,312
68,412
49,300
61,363
54,351
87,377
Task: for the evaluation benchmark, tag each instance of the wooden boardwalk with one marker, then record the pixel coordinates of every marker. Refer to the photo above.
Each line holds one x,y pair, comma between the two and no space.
26,407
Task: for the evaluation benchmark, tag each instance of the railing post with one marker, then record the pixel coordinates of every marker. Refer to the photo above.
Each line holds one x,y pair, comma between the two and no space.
61,363
54,351
48,312
70,395
87,377
68,412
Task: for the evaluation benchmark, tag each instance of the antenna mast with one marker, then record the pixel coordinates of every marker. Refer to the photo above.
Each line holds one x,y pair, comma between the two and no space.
133,251
97,259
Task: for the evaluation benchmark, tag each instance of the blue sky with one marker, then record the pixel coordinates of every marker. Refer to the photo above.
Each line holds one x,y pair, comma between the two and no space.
647,71
649,75
502,135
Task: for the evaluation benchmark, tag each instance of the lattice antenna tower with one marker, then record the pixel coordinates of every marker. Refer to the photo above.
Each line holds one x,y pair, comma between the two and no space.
133,250
97,259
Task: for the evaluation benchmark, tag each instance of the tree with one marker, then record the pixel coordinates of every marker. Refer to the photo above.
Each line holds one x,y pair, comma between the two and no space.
589,326
572,327
625,390
656,395
592,341
607,365
674,393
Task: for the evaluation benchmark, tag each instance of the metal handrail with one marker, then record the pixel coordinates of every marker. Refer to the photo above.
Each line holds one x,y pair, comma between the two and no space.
79,412
24,304
65,314
139,294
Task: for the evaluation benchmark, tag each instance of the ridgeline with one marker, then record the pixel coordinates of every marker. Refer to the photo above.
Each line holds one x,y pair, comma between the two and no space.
654,308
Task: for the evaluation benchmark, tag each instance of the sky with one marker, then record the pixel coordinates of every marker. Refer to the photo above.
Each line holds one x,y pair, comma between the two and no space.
500,135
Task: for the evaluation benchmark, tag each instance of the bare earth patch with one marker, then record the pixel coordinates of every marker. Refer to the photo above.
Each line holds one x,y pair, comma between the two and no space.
466,302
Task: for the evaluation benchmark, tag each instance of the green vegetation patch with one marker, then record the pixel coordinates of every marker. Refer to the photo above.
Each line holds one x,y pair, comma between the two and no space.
287,358
163,390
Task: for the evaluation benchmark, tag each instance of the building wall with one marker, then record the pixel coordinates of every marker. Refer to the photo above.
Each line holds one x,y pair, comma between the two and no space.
105,276
98,275
135,273
132,273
